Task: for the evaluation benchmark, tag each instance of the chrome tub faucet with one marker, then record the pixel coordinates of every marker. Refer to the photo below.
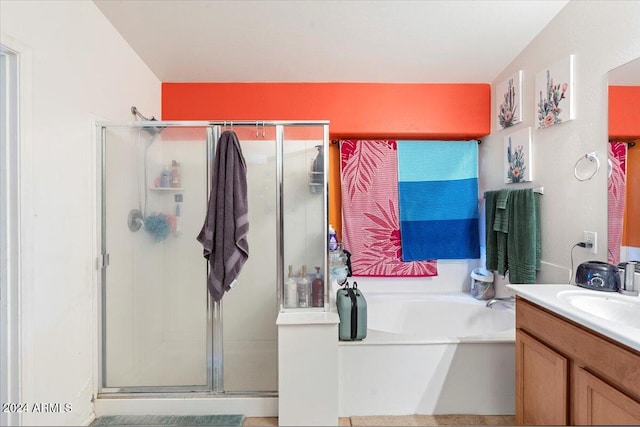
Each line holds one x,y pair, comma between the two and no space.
508,300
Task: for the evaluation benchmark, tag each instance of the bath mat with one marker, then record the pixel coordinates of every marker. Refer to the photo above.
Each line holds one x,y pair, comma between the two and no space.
370,221
169,420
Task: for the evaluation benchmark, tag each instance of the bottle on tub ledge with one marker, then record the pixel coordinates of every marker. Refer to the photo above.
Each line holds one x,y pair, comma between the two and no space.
333,239
291,290
304,289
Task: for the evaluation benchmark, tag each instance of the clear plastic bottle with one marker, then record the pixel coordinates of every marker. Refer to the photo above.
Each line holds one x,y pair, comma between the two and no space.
291,290
338,265
304,294
317,290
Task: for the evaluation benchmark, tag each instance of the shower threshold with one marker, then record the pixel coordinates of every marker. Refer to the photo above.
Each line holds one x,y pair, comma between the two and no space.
187,395
252,404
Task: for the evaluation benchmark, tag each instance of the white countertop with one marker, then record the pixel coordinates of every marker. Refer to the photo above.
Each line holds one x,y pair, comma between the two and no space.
547,297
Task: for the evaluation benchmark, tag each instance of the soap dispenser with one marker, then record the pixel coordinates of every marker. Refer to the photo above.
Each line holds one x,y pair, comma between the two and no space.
317,290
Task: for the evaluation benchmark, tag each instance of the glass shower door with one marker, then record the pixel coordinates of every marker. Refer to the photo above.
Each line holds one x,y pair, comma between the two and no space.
276,156
154,300
249,310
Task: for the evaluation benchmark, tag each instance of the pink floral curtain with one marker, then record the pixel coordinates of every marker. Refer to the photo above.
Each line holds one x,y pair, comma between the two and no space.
616,197
370,220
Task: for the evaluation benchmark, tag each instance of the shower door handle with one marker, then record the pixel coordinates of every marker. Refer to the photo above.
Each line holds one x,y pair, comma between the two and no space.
103,261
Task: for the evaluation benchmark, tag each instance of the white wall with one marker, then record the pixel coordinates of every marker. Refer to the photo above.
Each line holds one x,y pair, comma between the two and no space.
602,35
80,69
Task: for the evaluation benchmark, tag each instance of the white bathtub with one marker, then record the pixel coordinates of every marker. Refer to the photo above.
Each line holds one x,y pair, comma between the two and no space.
430,354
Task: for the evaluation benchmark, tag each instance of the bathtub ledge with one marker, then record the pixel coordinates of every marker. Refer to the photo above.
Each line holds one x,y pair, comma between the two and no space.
304,318
386,338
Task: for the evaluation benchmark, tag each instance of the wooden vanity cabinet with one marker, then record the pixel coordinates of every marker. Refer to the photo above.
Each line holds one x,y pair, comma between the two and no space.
567,374
541,383
598,403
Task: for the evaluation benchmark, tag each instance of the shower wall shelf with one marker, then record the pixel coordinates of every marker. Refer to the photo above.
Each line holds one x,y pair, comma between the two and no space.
166,189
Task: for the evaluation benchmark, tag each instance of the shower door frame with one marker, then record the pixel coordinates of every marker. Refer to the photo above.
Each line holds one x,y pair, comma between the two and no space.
214,344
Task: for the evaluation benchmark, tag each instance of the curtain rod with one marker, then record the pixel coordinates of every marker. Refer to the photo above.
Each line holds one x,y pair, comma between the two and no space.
337,141
630,144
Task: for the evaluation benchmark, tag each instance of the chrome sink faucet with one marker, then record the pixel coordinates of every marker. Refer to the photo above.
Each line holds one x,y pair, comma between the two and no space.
628,286
509,300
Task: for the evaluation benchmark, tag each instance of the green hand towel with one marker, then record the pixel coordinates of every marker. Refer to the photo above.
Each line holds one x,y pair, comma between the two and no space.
496,241
501,222
523,239
489,233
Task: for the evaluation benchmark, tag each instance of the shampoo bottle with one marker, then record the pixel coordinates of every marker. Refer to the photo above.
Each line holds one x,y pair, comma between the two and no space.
165,177
317,290
175,174
303,289
291,290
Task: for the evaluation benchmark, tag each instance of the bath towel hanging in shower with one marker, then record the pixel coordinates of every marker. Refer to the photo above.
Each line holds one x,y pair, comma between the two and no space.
224,233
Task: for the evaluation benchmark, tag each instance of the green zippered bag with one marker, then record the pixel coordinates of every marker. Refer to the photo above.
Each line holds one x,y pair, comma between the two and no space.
352,309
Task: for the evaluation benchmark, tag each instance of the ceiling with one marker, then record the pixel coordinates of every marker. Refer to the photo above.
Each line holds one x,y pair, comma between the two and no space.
329,41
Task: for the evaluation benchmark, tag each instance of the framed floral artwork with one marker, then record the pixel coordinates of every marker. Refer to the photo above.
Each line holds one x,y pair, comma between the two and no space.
509,101
555,94
517,157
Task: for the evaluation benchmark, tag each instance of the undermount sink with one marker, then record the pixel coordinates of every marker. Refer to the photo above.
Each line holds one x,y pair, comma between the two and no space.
611,306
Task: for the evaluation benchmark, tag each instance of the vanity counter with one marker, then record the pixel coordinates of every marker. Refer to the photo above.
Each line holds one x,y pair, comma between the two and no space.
621,324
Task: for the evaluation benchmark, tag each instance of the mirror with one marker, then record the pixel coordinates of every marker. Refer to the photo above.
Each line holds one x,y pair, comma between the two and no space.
624,163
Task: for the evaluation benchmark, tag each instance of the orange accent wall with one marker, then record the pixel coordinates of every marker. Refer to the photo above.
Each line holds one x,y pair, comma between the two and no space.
355,110
624,112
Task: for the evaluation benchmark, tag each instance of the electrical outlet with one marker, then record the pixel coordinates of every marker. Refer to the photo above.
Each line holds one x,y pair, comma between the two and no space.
591,237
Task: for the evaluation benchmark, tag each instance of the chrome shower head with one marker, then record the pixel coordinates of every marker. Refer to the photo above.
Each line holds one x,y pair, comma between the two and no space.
137,113
151,130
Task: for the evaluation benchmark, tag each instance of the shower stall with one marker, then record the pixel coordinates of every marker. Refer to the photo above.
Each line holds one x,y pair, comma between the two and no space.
161,332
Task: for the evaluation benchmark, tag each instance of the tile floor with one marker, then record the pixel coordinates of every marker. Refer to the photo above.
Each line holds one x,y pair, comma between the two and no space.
408,420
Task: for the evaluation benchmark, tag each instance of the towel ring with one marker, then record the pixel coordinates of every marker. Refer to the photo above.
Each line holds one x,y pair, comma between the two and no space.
593,157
